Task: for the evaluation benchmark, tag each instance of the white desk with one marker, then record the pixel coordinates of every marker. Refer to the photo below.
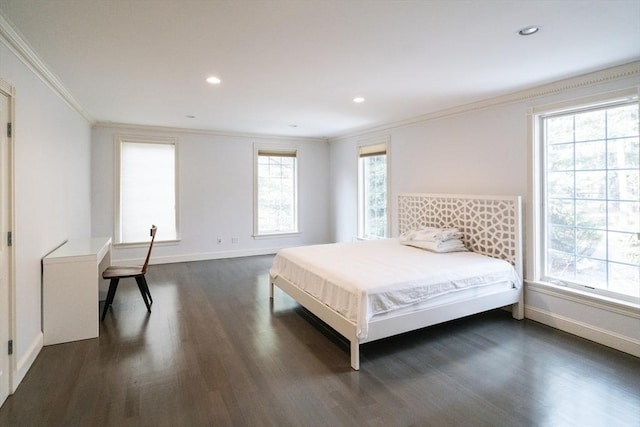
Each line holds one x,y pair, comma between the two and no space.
70,289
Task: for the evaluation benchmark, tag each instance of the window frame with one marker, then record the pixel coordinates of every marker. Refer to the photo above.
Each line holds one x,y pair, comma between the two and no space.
285,150
121,139
365,147
537,189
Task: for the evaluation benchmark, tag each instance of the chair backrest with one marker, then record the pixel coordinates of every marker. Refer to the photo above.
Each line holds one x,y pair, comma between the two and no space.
153,237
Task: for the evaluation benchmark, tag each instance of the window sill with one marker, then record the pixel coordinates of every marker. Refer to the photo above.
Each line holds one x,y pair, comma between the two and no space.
276,235
626,308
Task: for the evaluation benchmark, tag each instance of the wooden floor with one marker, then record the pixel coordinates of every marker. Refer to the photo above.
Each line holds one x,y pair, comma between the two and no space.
215,351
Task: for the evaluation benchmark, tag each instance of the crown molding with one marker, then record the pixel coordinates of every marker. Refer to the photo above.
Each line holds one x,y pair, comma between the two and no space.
168,129
10,37
595,78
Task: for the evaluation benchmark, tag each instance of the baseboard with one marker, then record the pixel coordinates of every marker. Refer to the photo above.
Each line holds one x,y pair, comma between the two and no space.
212,255
172,259
583,330
25,362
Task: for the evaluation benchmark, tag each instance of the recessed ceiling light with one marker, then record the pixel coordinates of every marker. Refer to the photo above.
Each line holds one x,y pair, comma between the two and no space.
527,31
213,80
358,99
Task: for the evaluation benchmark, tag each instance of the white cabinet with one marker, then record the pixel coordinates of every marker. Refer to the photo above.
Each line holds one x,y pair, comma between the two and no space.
70,289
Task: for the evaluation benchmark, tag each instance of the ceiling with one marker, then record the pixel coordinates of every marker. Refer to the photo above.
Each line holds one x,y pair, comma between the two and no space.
293,67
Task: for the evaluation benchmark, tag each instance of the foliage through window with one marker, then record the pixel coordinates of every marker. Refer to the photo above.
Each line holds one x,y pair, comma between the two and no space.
372,183
147,189
276,198
591,183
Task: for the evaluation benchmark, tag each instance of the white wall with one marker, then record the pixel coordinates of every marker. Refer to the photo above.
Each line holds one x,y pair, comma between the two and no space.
52,192
215,176
484,149
343,178
465,154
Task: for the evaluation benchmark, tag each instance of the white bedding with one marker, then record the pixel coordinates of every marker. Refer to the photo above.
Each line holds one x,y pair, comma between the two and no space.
363,279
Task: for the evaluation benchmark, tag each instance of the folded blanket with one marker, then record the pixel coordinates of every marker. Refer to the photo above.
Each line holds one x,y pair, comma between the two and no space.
434,239
451,245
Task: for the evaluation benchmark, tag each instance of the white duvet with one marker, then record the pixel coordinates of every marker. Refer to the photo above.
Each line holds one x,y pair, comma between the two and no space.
362,279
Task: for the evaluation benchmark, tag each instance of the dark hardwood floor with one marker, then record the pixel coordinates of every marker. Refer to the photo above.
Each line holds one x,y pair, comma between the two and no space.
215,351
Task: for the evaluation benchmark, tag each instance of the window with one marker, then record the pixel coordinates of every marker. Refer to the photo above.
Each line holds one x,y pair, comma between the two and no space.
372,191
146,189
276,196
590,192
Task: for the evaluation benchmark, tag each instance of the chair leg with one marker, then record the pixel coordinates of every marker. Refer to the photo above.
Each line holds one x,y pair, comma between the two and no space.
113,286
146,286
143,291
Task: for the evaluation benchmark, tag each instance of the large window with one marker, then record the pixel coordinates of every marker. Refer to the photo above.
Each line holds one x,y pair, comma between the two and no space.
146,190
276,195
590,194
372,191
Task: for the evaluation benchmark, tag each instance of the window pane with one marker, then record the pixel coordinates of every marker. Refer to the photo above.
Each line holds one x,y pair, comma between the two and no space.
562,239
372,191
592,198
624,247
591,243
374,196
560,157
591,185
623,153
559,129
147,191
561,265
591,155
624,279
590,126
624,184
624,216
591,214
276,186
622,121
591,272
560,184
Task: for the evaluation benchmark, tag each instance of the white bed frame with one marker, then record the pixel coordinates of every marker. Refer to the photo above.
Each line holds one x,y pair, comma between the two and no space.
491,225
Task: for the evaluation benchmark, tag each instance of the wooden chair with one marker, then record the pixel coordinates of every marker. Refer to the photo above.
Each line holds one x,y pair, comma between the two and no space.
115,273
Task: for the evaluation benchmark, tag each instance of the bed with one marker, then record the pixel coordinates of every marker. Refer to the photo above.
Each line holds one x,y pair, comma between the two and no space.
371,290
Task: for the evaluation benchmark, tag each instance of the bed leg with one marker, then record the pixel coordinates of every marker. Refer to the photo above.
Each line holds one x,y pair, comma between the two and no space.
270,289
517,310
355,355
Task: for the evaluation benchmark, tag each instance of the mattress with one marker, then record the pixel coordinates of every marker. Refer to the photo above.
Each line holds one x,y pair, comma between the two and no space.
364,279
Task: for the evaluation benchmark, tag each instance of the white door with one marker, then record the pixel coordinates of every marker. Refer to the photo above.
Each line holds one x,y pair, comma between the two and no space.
5,306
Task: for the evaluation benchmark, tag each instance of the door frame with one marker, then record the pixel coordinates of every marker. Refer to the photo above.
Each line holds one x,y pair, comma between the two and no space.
8,160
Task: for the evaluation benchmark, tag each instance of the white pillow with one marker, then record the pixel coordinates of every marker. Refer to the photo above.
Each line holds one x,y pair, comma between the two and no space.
432,234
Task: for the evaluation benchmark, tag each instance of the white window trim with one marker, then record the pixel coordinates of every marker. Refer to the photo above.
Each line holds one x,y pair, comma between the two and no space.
119,139
380,140
284,234
535,224
275,148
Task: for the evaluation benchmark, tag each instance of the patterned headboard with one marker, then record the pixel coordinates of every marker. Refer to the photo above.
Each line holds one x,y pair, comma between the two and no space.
491,225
